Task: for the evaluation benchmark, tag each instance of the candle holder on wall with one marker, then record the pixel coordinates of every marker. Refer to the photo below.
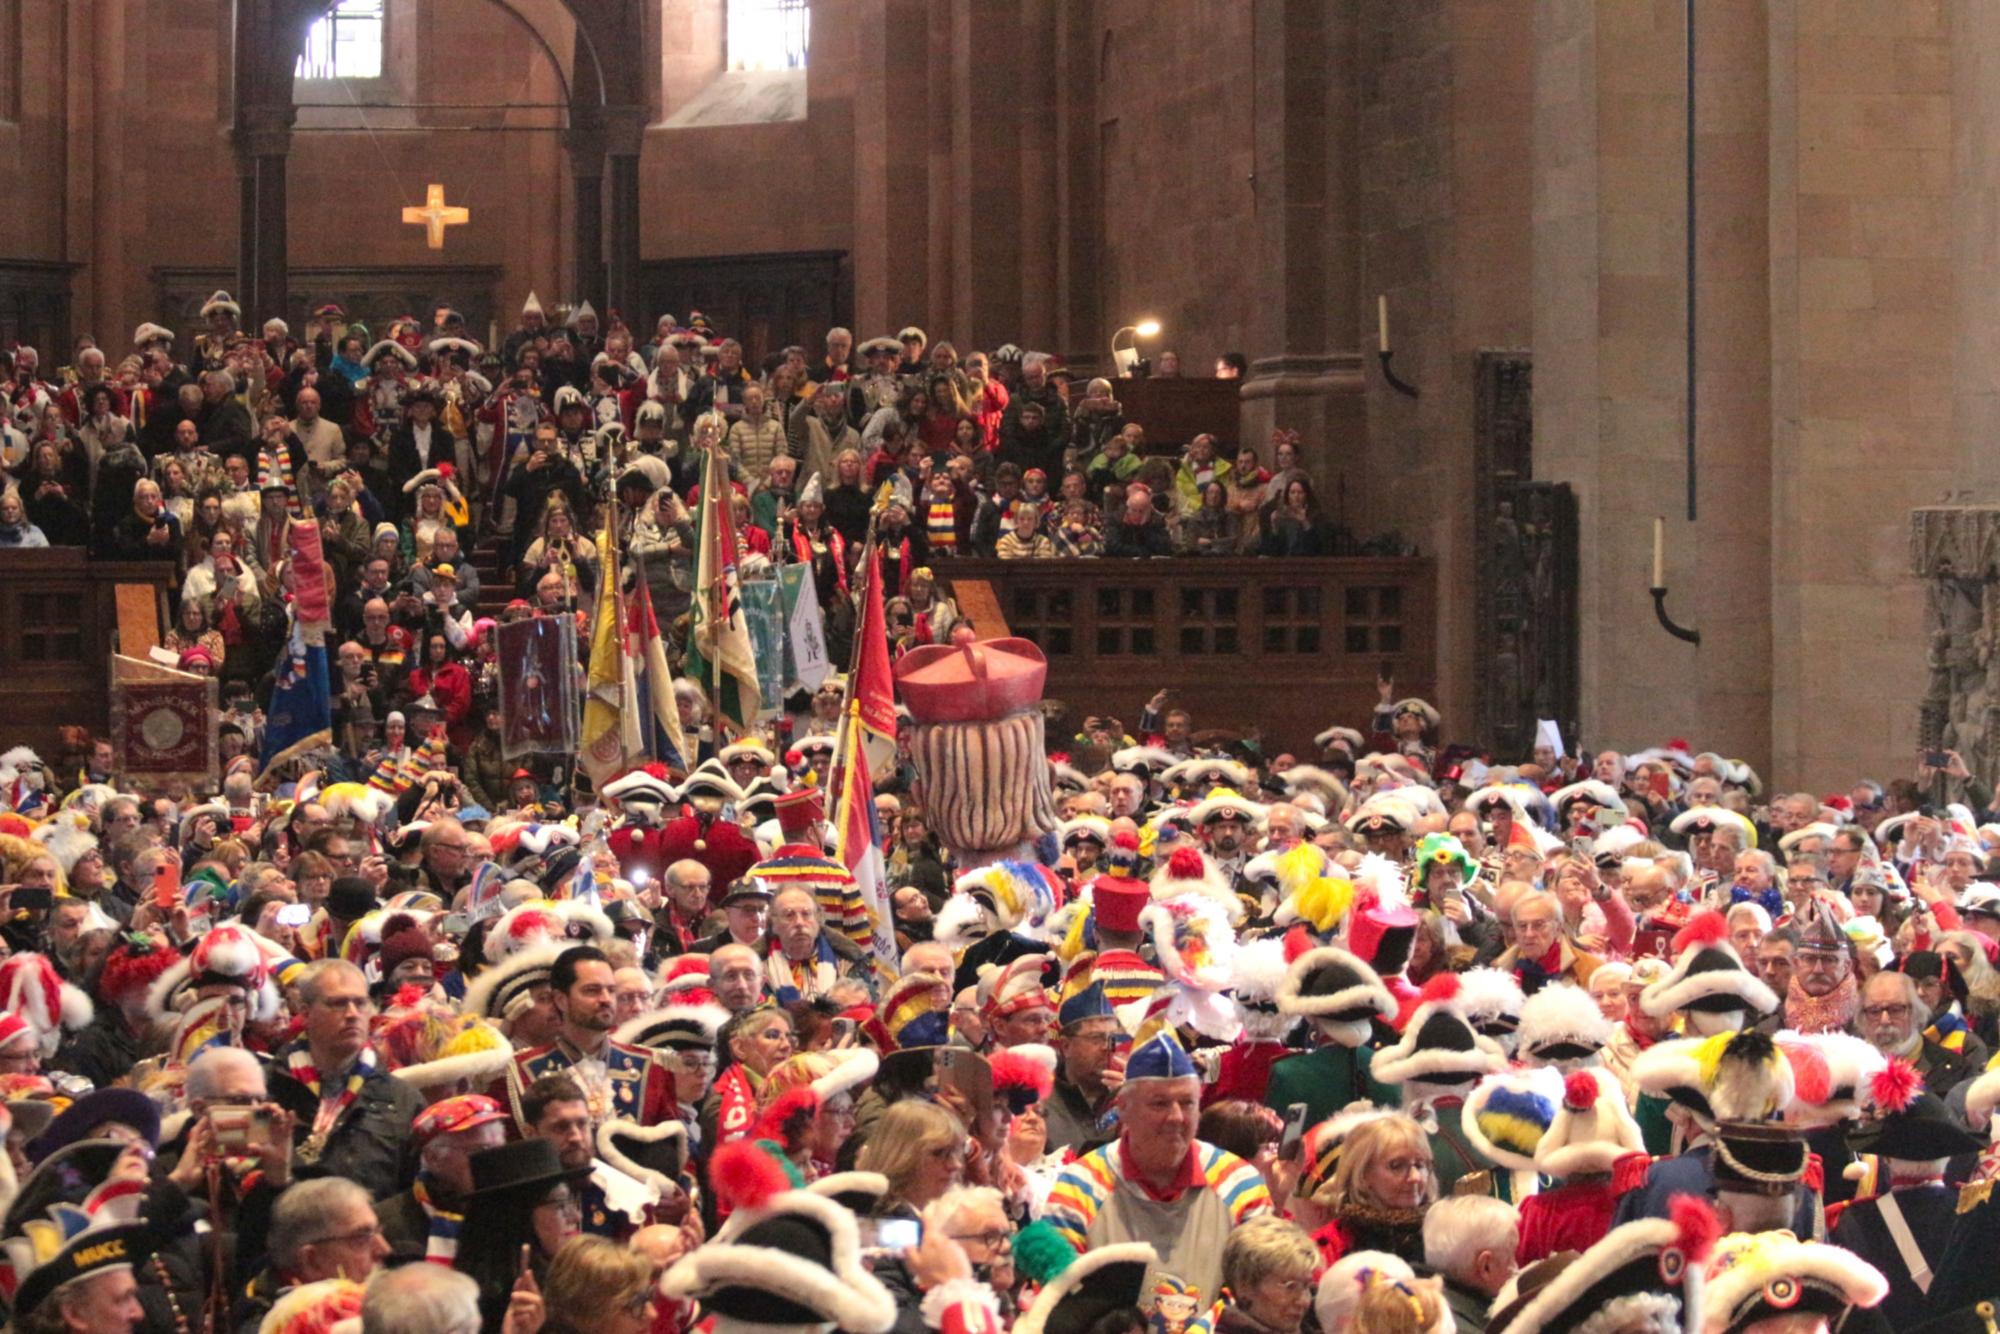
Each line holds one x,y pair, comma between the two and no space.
1396,382
1668,623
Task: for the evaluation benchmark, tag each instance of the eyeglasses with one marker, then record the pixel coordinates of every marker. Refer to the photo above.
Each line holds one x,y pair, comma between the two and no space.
993,1240
1885,1012
357,1237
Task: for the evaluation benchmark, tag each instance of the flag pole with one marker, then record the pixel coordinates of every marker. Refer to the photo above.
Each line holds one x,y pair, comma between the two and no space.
854,650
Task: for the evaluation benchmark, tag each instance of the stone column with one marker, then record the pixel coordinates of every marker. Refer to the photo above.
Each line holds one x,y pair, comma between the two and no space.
585,140
1303,237
263,142
624,140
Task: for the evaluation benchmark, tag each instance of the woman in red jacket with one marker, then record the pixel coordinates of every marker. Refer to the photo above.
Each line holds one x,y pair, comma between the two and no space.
447,682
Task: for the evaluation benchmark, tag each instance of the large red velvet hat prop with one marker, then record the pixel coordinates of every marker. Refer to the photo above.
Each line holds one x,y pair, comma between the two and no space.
962,683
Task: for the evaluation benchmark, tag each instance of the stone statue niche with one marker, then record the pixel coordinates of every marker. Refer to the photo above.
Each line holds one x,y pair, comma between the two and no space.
1956,550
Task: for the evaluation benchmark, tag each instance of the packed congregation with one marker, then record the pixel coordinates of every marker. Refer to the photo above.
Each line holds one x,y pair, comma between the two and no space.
481,991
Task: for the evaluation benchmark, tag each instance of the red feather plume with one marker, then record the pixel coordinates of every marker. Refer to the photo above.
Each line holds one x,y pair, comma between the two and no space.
1014,1071
1895,1087
799,1105
1187,863
1696,1226
1443,987
745,1176
1580,1091
1297,941
1812,1079
1707,928
1125,838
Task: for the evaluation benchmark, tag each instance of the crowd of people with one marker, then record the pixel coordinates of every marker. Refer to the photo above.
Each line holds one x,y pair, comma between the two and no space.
1365,1041
414,446
1390,1037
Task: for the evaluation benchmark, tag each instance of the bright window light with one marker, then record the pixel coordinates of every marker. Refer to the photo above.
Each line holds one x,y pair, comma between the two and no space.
768,34
346,44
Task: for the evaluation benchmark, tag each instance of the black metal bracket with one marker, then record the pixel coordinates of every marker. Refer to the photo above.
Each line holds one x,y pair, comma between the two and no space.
1667,622
1396,382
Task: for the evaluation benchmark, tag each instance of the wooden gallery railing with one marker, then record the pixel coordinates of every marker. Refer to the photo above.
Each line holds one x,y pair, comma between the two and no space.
60,614
1286,647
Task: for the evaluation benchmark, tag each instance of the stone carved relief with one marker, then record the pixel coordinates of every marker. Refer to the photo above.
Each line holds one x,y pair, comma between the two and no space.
1956,548
1525,589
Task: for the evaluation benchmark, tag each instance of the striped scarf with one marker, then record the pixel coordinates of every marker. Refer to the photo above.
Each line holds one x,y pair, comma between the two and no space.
941,525
442,1245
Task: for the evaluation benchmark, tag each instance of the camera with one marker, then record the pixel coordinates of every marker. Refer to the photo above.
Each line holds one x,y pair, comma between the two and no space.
238,1129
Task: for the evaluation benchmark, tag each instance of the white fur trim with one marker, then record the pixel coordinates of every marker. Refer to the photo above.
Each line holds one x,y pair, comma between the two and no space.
1486,993
1261,969
1368,991
961,922
1680,988
1736,1288
1036,1317
1581,1143
1406,1062
1618,1248
711,1017
846,1293
609,1130
1542,1082
853,1067
1561,1013
1669,1066
479,992
477,1066
851,1183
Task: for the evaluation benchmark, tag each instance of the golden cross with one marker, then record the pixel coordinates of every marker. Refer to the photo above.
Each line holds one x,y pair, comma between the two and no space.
435,217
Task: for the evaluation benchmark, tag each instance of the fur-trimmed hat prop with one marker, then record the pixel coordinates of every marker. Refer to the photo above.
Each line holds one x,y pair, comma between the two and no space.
1907,1121
1561,1026
1438,1046
1507,1114
545,922
1262,967
1338,992
1708,819
1150,761
1226,803
504,990
1492,1001
1588,805
1197,952
1189,872
1708,980
1642,1271
682,1027
1753,1276
1728,1077
1830,1076
31,989
1090,1288
783,1260
1592,1129
653,1155
915,1012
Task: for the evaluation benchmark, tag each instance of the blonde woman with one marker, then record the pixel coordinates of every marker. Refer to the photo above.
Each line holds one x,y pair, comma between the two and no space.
1379,1192
596,1286
1267,1274
920,1148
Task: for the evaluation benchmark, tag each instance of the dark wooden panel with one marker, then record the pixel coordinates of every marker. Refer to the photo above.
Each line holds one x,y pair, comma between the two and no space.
58,629
764,302
372,296
34,308
1285,647
1176,411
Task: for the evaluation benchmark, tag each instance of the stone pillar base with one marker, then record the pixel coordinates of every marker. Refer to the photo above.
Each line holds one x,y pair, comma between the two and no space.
1322,396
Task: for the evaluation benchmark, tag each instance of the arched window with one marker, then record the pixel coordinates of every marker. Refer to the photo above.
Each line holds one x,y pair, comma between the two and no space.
768,34
346,43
